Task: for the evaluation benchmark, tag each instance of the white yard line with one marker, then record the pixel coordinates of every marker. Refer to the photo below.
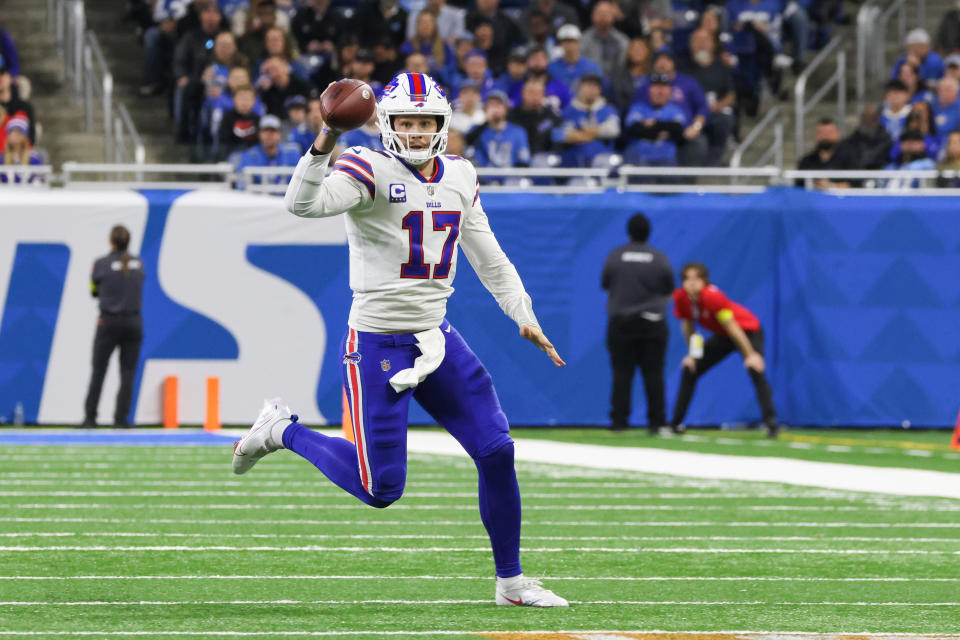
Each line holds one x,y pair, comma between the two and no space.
420,536
939,508
708,603
483,549
474,523
485,578
892,480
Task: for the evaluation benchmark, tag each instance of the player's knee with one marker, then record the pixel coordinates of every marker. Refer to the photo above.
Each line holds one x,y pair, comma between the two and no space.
388,485
498,459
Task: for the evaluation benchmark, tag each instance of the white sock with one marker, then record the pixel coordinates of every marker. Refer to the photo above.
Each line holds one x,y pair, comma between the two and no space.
276,431
510,583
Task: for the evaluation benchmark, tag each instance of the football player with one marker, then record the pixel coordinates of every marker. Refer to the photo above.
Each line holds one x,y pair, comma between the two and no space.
408,209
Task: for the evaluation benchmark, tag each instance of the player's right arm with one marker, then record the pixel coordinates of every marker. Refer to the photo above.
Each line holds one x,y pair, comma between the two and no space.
312,195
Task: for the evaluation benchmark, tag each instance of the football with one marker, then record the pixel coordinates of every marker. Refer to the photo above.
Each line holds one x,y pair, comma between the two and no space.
347,104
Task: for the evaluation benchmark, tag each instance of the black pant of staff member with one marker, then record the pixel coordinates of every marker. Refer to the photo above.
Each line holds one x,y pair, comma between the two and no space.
639,280
117,280
734,328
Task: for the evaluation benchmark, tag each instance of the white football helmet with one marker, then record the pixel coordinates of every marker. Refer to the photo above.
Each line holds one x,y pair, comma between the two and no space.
413,94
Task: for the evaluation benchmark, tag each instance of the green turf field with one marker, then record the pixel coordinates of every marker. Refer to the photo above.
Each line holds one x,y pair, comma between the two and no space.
148,540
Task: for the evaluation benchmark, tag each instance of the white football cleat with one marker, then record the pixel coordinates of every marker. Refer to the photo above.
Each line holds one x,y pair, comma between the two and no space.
264,436
526,592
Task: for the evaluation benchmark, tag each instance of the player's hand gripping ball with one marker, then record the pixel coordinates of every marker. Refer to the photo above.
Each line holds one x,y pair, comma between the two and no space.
347,104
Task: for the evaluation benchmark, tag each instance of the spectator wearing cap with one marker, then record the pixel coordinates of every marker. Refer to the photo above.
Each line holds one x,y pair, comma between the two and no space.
687,94
366,136
947,107
498,142
450,20
258,16
192,56
537,119
277,84
590,125
468,111
948,32
572,64
11,104
506,33
238,125
362,69
952,66
556,91
17,150
602,42
716,81
511,80
378,19
476,70
270,152
896,108
316,27
919,54
299,130
427,41
654,127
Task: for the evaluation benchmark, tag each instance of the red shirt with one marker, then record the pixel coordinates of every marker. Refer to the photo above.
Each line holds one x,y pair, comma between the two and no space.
712,302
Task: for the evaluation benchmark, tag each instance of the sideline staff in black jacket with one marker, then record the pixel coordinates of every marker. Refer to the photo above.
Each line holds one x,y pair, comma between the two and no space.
639,281
117,280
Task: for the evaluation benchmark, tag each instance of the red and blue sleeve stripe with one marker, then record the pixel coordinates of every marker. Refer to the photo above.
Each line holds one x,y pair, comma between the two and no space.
476,196
358,169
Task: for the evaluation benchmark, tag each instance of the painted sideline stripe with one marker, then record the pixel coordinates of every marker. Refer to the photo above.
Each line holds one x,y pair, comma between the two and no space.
334,491
485,549
473,507
166,603
759,635
528,523
487,578
420,536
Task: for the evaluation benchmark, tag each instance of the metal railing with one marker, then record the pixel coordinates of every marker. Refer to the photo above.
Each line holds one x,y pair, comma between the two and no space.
775,151
872,44
87,72
36,175
837,79
273,180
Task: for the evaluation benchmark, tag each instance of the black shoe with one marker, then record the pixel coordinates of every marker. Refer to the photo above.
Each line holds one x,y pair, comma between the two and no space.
678,429
122,424
773,428
653,430
88,423
618,427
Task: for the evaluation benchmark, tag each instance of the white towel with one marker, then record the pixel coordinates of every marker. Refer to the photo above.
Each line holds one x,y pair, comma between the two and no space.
433,345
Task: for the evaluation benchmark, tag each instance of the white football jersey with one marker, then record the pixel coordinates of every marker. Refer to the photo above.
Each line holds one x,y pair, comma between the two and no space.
404,230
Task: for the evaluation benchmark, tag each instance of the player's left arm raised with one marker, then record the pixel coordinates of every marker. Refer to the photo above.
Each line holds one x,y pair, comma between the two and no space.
500,277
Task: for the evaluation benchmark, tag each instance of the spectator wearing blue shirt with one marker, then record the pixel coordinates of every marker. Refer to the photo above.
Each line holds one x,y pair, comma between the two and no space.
928,63
270,152
687,94
590,125
499,143
476,70
947,108
913,157
920,120
556,91
896,108
654,128
298,128
511,81
8,53
572,64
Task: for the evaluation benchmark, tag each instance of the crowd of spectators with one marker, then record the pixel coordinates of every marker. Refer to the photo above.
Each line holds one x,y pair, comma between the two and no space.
661,81
18,125
917,126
